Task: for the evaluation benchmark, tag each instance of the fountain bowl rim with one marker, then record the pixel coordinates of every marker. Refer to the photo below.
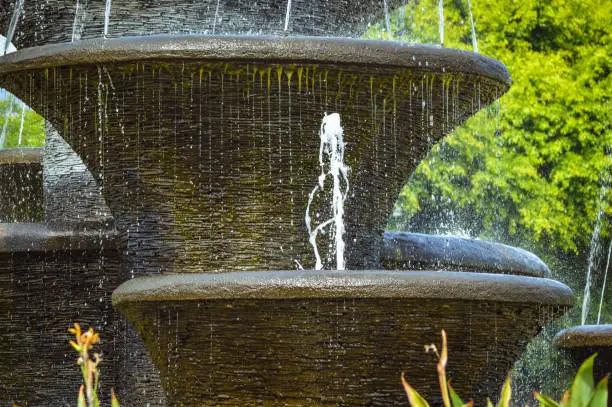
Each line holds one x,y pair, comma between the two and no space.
584,336
21,155
29,237
323,50
361,284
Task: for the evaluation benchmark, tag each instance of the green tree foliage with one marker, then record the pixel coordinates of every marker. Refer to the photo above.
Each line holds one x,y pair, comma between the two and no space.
33,130
532,171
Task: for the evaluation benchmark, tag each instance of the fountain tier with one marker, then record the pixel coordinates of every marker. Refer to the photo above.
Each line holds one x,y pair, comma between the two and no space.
322,338
205,147
580,342
59,21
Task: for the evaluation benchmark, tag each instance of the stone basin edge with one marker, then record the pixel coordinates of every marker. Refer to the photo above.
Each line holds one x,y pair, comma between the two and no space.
273,285
584,336
330,50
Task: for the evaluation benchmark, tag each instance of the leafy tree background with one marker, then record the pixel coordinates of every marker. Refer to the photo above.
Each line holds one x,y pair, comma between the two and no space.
32,133
534,170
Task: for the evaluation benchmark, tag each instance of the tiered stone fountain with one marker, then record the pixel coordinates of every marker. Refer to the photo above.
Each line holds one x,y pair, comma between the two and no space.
205,149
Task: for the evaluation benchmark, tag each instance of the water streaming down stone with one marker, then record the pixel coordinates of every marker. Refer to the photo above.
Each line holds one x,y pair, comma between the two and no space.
287,15
331,161
107,11
80,15
17,11
206,151
216,17
54,21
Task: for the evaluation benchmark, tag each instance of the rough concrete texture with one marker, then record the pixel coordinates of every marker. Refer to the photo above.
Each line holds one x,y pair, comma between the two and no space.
72,197
53,21
329,351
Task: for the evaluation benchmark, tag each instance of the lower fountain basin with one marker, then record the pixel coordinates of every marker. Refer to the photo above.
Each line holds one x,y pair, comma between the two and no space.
330,337
580,342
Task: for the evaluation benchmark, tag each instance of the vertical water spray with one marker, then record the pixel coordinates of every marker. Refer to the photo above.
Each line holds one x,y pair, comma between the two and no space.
216,16
474,40
287,14
595,249
441,17
603,288
107,11
7,116
332,147
80,12
387,19
23,109
17,11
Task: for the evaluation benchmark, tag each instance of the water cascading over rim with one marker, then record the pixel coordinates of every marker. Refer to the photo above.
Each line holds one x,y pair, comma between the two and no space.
203,146
205,151
61,21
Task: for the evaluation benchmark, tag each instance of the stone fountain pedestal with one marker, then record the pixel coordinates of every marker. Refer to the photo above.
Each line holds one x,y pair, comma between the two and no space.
205,150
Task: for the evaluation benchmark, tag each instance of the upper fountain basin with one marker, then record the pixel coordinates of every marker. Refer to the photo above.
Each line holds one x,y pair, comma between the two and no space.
341,51
206,148
56,21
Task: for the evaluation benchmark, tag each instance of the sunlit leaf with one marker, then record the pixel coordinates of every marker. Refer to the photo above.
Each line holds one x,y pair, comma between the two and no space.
582,387
415,399
455,399
506,394
600,395
545,401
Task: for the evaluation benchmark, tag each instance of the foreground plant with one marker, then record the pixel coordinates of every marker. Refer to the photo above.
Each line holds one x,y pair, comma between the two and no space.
83,343
583,392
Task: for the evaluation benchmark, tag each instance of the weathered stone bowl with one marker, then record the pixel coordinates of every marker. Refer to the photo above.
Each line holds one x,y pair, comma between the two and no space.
417,251
205,148
580,342
58,21
322,338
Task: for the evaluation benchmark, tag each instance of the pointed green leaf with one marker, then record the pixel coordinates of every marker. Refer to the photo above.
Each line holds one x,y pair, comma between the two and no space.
114,401
455,399
504,399
545,401
415,399
600,395
81,400
582,387
489,404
